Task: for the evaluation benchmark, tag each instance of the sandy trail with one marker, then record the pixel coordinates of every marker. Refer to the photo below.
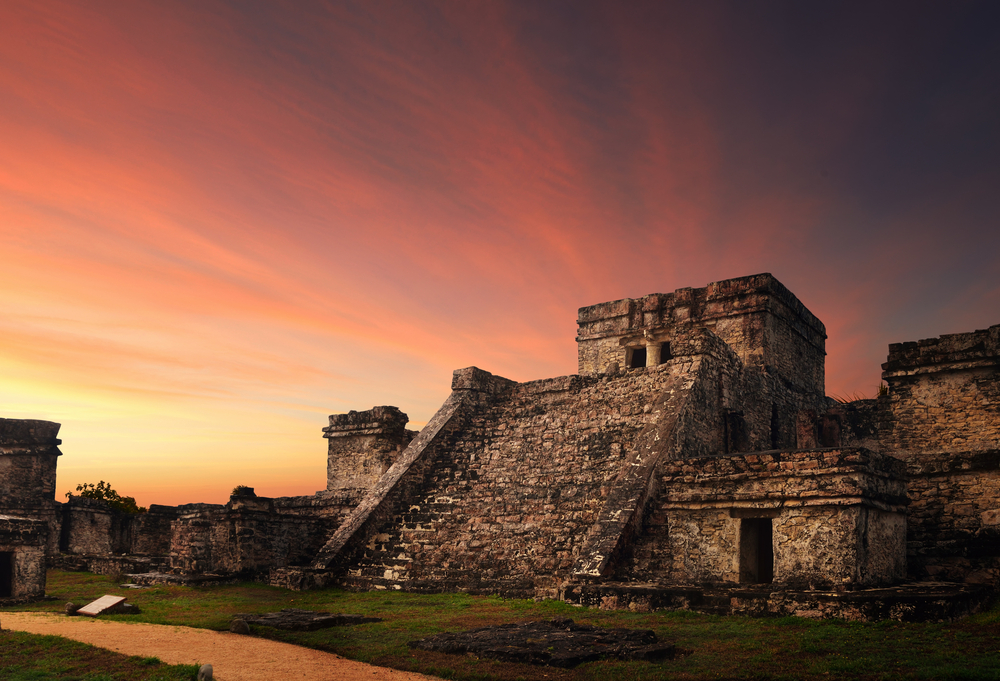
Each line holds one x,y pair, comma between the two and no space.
233,657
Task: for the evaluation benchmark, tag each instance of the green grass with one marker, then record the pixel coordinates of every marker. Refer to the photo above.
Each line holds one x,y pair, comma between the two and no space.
714,647
30,657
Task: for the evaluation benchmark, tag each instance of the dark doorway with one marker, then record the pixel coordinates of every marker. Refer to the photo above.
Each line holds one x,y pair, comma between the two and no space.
636,358
756,551
6,574
665,353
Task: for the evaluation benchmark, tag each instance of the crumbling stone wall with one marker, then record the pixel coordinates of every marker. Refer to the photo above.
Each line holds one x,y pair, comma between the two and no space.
942,417
245,536
944,395
150,532
90,526
954,517
22,559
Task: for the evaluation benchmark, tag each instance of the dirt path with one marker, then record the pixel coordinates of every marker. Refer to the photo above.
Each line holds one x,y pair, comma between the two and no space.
233,657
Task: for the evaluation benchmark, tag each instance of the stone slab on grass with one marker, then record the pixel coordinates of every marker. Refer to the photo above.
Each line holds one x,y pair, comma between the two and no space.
557,643
295,619
101,605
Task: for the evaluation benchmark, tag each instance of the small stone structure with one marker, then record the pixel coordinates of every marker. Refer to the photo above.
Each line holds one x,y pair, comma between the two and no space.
363,445
29,450
22,559
830,519
694,461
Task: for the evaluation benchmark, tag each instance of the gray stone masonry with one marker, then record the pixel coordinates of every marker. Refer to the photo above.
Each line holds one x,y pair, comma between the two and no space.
837,518
22,559
760,319
363,444
29,450
942,417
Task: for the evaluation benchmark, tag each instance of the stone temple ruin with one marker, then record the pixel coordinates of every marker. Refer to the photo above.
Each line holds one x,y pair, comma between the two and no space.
694,461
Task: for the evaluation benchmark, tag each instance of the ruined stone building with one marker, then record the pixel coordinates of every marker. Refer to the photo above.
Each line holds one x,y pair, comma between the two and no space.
694,461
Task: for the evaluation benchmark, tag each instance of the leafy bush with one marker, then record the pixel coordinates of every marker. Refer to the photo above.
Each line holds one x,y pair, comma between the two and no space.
102,492
242,491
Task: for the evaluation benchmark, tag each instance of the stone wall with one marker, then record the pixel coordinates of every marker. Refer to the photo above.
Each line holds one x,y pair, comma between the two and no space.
837,517
954,517
942,416
151,531
91,527
22,559
944,395
246,536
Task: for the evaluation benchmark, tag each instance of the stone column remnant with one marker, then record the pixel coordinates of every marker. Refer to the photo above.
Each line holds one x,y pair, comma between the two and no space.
363,444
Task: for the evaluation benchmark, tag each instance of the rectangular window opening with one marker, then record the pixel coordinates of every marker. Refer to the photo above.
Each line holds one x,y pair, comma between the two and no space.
756,551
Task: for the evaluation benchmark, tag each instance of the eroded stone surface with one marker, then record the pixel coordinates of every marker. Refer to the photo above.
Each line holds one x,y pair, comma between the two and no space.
558,642
296,619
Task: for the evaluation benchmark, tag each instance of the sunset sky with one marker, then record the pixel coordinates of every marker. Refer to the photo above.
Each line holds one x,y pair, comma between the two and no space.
221,222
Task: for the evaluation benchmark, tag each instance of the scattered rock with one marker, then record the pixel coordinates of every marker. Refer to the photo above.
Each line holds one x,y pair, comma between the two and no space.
71,609
205,673
295,619
239,626
558,643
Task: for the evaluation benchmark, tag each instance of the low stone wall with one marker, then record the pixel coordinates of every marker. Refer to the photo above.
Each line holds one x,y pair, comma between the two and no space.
246,536
151,532
954,517
91,527
108,565
920,602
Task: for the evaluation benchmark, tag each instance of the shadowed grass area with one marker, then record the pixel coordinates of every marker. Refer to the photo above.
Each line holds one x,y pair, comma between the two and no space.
713,646
30,657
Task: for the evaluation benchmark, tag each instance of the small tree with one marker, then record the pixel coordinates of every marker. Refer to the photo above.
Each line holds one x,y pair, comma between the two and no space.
102,492
243,491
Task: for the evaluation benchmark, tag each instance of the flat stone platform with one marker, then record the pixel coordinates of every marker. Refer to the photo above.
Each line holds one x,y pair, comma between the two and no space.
911,602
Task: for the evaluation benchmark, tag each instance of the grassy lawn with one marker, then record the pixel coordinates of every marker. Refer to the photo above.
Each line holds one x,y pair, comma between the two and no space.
28,657
714,647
